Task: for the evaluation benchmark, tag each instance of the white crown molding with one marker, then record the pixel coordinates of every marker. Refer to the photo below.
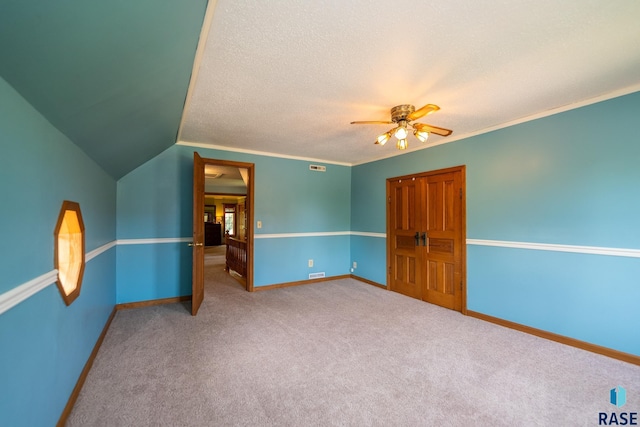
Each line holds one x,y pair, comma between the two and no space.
593,250
441,141
259,153
562,109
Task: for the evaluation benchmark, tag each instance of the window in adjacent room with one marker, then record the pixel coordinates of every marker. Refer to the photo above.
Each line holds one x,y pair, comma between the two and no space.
229,219
69,251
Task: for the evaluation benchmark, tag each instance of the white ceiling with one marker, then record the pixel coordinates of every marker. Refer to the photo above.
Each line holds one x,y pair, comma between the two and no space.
221,172
219,176
287,76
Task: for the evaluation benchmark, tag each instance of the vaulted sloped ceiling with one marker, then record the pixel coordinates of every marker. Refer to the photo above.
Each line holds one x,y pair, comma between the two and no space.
111,75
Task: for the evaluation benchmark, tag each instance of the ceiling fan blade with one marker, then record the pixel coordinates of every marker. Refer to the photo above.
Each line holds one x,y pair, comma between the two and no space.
372,122
423,111
432,129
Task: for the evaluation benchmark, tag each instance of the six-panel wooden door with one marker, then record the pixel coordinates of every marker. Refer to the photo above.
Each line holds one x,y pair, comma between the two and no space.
426,233
404,218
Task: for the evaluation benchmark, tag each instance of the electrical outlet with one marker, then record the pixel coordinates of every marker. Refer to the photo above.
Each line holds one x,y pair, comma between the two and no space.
310,263
355,264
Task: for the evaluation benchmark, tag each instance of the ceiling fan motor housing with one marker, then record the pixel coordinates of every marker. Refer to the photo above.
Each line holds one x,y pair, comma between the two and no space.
400,112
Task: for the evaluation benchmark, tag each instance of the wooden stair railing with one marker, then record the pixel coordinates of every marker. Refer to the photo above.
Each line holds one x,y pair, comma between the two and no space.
236,256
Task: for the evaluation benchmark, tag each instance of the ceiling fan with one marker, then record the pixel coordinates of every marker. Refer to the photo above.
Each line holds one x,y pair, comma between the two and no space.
403,115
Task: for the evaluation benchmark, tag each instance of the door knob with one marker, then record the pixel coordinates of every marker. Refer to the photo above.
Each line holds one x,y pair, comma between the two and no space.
417,237
196,244
424,239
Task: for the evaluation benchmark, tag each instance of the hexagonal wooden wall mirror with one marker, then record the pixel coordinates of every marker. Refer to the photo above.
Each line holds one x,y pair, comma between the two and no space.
69,251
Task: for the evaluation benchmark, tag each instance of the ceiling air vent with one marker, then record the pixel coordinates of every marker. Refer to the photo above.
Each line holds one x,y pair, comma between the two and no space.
318,168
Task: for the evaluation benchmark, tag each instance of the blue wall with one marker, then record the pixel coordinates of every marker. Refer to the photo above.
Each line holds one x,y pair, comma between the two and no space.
369,254
155,201
43,343
558,180
567,179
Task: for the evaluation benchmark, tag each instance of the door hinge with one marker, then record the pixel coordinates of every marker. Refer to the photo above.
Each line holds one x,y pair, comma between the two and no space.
461,194
389,200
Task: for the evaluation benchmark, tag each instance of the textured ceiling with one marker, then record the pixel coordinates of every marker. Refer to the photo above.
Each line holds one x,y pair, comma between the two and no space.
287,77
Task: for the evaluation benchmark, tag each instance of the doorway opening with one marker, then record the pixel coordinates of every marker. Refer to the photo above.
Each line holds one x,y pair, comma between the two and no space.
223,194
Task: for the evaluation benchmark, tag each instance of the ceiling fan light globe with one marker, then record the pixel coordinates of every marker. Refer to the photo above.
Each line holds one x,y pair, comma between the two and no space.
382,139
401,133
421,135
402,144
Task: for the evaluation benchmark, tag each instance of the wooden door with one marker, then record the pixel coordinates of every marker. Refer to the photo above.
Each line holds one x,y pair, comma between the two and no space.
197,284
441,213
404,226
426,235
241,217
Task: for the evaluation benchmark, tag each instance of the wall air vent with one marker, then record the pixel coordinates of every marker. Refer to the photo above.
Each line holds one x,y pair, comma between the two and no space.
318,168
316,275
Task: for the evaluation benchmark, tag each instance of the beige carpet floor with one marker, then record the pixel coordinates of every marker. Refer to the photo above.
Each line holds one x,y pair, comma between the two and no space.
340,353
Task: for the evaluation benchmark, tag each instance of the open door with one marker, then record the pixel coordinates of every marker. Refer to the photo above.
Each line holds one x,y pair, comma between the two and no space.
197,286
